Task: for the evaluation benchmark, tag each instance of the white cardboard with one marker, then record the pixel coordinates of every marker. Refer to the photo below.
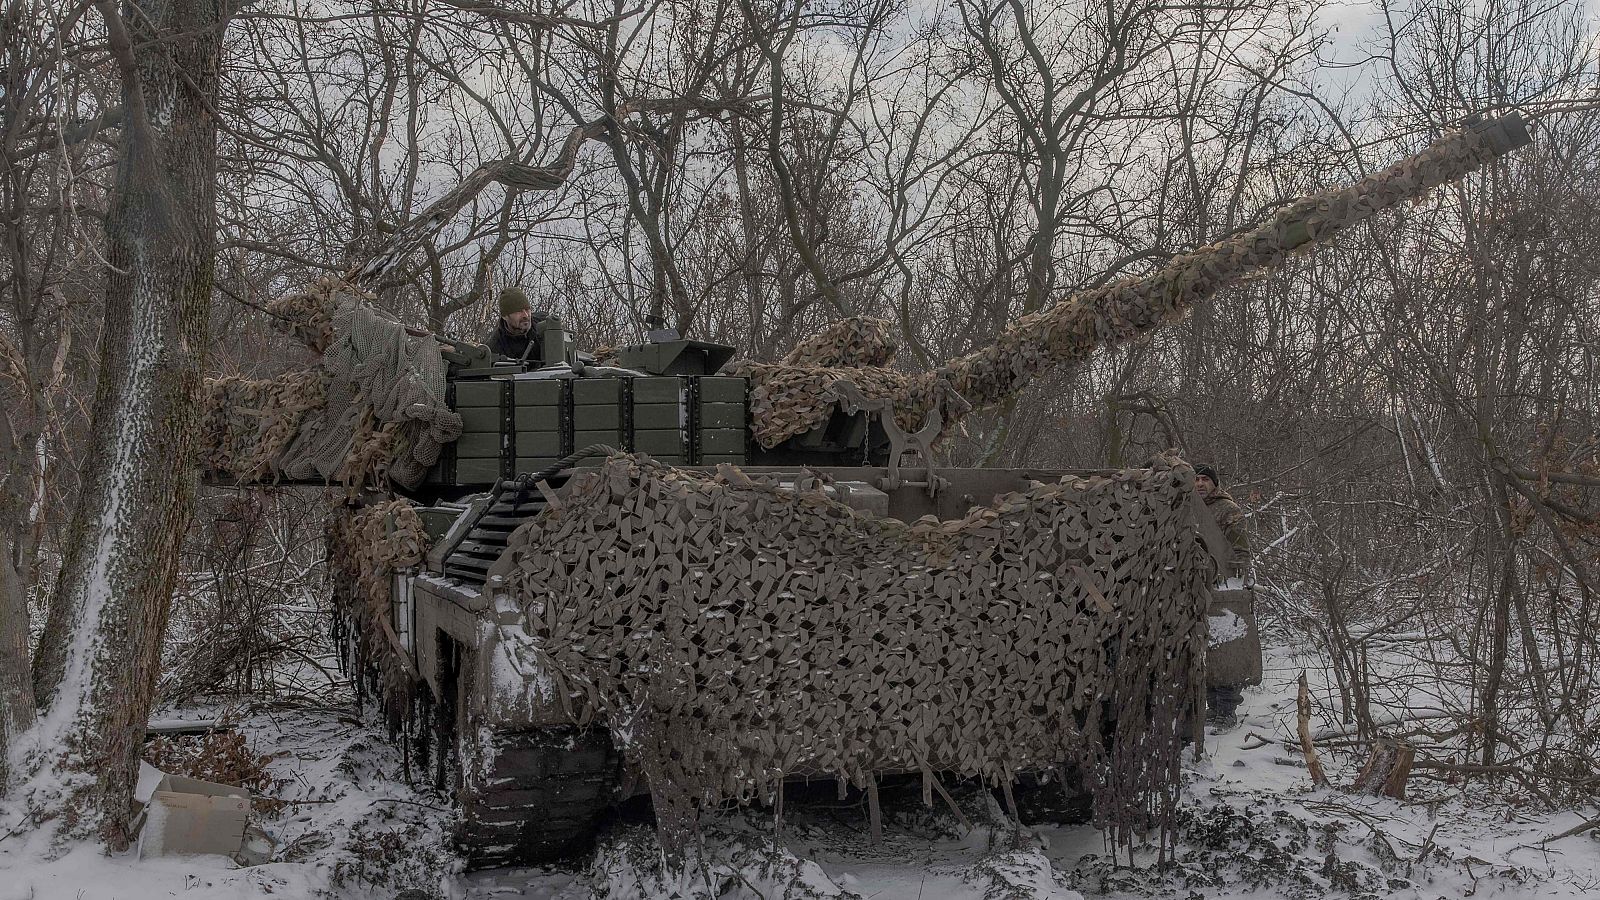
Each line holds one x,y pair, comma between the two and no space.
187,816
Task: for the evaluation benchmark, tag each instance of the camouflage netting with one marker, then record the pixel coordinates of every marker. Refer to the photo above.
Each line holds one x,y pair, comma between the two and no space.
307,312
371,413
734,633
365,548
250,422
853,342
795,396
786,400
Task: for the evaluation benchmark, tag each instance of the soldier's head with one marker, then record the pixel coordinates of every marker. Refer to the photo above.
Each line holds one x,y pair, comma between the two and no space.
1205,481
515,310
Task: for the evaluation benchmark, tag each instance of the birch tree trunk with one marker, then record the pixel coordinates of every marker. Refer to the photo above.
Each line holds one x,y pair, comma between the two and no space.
116,584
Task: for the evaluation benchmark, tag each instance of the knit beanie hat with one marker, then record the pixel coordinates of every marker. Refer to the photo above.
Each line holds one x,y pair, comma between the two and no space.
1208,472
513,300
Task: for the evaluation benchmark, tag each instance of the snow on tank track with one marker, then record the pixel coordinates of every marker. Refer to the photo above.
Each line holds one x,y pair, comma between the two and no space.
540,797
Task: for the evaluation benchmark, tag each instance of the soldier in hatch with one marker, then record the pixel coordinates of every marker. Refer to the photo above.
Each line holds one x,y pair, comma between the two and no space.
1228,515
516,327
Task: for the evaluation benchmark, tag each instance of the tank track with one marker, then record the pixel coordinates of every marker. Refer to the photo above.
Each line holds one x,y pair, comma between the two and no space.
541,799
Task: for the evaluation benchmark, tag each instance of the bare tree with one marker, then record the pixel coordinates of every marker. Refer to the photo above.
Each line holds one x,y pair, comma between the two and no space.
48,194
116,584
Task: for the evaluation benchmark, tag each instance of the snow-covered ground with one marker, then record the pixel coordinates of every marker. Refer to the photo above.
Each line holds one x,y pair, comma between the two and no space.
1250,825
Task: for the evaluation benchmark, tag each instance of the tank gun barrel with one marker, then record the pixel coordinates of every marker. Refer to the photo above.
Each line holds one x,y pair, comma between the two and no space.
1069,332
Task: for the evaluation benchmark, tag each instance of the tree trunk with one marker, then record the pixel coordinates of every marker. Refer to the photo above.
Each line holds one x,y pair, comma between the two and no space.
16,690
116,585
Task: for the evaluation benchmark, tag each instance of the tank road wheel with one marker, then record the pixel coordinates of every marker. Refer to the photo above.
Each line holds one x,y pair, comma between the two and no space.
541,797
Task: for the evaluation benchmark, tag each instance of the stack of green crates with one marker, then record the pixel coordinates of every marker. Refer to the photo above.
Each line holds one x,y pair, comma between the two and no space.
479,447
721,419
596,414
660,419
538,422
531,423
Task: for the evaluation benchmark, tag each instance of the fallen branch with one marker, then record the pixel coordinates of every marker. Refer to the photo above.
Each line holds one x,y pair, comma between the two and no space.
1264,742
1580,828
1523,778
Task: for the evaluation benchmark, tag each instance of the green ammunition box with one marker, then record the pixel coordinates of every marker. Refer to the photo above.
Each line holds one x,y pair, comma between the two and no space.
478,393
540,418
722,415
716,441
543,392
659,442
596,418
539,443
722,389
657,416
582,439
591,391
657,390
527,464
478,444
477,471
480,418
711,459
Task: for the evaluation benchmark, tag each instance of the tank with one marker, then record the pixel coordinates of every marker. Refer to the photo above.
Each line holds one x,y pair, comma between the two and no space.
451,616
534,776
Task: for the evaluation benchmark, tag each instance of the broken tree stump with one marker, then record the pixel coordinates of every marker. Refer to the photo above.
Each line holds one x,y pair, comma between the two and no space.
1387,769
1318,777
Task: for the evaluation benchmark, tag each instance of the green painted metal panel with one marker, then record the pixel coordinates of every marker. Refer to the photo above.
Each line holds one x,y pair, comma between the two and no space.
477,471
721,440
582,439
596,418
711,459
538,418
657,390
587,391
526,464
480,418
478,393
539,443
544,392
722,389
722,415
657,416
478,444
658,441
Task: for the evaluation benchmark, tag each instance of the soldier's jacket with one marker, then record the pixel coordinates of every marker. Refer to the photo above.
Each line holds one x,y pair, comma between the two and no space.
504,343
1230,518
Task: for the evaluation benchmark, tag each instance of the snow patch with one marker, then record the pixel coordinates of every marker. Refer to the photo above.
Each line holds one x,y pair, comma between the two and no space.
1224,627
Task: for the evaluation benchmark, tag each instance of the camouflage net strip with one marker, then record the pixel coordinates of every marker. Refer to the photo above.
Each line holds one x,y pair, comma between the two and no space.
307,312
371,413
795,396
734,633
852,343
249,422
365,549
788,399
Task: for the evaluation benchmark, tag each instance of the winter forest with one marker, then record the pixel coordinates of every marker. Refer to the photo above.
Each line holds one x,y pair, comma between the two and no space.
1407,412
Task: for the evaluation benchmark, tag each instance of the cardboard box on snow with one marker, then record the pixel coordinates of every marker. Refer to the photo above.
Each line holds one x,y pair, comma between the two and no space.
186,815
